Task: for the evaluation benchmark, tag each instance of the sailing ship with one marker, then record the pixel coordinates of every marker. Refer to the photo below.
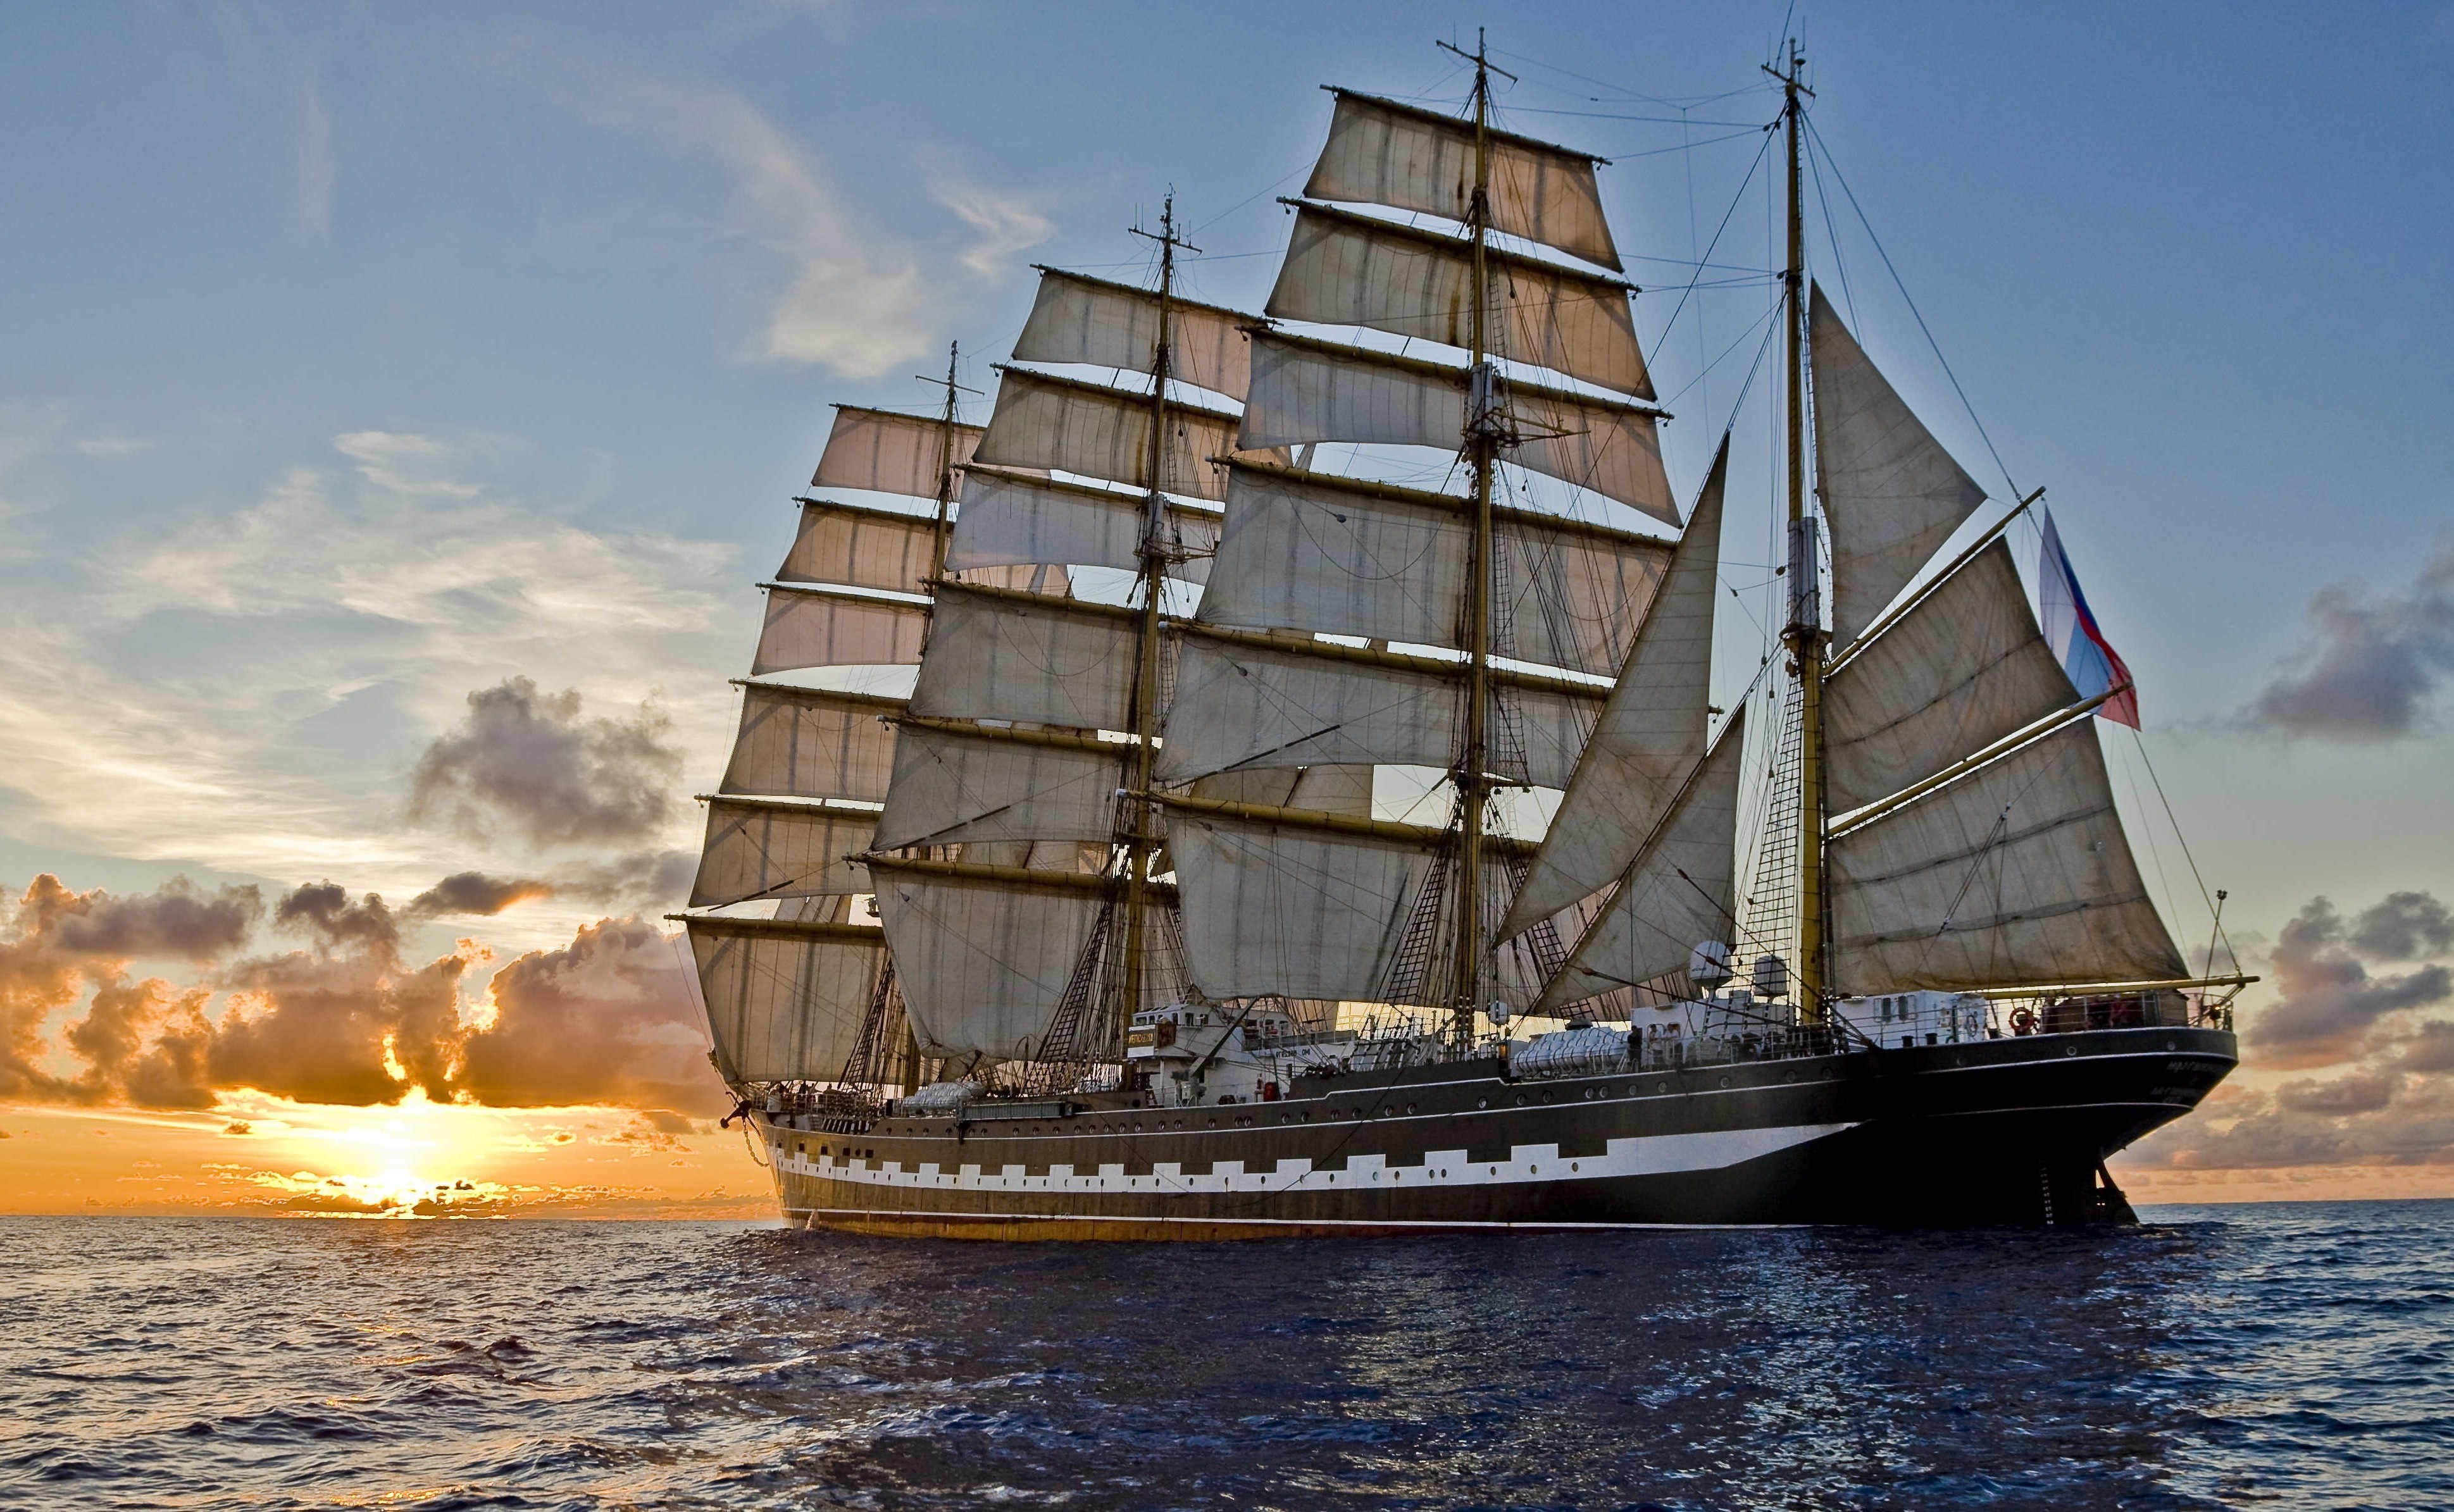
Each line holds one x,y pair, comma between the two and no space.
1057,886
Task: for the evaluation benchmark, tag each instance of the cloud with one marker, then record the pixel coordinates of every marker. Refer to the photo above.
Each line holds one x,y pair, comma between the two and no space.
2366,668
846,291
529,760
606,1019
176,919
645,879
2390,1102
2328,1000
284,76
475,892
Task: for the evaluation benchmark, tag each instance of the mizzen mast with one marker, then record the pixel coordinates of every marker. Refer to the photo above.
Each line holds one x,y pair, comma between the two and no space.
1803,634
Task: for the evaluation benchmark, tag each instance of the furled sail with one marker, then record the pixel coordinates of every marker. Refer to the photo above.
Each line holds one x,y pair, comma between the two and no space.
757,848
1100,324
1346,557
985,960
1348,270
1962,668
1306,391
956,781
819,627
1651,733
885,453
1382,152
2016,875
808,742
785,1000
1093,432
1253,701
1028,658
1676,893
1011,518
1890,492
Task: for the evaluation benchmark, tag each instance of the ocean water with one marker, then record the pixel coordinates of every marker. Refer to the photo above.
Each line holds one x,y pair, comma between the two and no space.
2295,1356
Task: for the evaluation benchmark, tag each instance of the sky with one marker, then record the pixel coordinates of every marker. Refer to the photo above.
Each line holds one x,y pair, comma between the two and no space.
400,403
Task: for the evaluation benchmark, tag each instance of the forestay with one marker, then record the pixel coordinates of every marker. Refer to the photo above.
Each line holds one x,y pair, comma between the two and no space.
1099,324
1382,152
785,1001
884,453
810,627
1961,669
1346,269
1243,703
1651,732
759,849
969,783
1344,557
1011,518
801,743
2016,875
1674,896
1890,492
1028,658
1046,422
1306,391
983,963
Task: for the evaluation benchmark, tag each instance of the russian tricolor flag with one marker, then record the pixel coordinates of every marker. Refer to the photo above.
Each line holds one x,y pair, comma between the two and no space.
2071,630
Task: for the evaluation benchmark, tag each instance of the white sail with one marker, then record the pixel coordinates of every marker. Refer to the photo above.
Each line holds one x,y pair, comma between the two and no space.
1347,269
1013,518
1306,391
1675,895
1029,659
862,548
1956,672
984,961
1345,791
1250,701
760,849
1100,324
817,627
1061,423
958,782
2015,875
785,1001
1890,492
1345,557
1382,152
1278,908
803,742
879,451
1651,733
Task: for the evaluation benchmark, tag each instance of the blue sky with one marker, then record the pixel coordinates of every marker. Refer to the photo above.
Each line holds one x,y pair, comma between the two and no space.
362,356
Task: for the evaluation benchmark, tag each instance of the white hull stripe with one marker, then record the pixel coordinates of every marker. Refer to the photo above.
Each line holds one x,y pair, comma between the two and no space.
1643,1155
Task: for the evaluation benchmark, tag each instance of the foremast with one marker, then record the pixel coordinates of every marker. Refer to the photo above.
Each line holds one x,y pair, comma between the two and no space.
1484,426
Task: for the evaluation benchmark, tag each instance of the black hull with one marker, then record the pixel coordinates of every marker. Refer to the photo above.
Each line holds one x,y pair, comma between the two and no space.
2009,1130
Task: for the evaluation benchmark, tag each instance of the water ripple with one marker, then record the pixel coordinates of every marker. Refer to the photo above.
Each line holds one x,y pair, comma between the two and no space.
2222,1356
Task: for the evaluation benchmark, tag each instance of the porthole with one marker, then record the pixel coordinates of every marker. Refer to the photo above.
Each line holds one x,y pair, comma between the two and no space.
1482,1101
2070,1050
1546,1097
1726,1080
1410,1107
1521,1100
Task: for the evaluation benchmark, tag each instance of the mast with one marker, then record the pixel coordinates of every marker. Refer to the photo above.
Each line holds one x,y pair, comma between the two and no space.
1142,840
1482,446
945,471
1805,634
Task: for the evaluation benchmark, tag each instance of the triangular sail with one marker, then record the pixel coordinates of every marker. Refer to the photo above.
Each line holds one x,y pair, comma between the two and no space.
1890,492
1676,894
1650,735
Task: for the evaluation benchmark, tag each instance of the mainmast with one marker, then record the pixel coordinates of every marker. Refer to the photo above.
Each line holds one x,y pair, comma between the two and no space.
1805,634
1482,439
1140,834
